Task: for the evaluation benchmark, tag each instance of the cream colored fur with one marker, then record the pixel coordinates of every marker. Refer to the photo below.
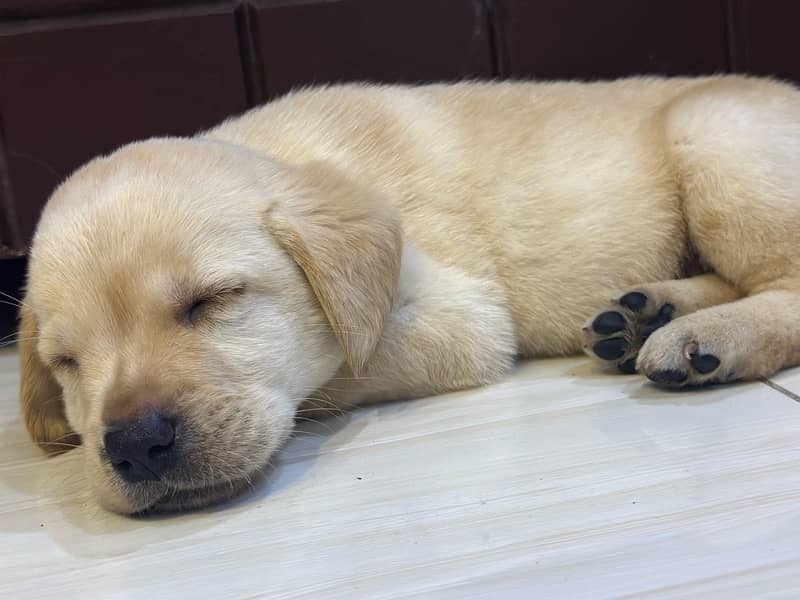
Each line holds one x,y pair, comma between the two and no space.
388,242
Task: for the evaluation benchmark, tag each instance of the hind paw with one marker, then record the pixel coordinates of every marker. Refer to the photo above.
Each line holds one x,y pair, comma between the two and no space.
615,335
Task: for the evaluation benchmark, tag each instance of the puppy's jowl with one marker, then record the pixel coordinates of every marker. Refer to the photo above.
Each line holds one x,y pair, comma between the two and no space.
187,296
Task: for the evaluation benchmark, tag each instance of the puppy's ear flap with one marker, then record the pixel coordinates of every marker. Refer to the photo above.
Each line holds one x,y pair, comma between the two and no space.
40,394
348,241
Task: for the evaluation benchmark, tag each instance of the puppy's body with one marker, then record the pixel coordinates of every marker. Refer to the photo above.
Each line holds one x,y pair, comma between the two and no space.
525,186
395,241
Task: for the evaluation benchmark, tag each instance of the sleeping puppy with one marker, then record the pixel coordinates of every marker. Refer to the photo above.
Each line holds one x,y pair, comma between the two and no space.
361,243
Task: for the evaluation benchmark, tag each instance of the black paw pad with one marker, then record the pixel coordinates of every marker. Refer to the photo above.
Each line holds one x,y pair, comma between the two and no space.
704,363
608,322
663,317
628,367
634,301
611,349
668,377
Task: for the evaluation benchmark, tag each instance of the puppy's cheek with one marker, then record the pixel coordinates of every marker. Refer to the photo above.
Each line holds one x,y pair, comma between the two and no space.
266,424
75,411
279,422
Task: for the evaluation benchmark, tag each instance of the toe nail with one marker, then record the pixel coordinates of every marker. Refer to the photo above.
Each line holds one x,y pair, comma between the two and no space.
628,367
611,349
608,322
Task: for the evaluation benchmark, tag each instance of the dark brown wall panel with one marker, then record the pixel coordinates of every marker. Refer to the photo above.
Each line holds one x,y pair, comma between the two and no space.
37,8
594,39
9,236
12,277
304,42
74,88
770,32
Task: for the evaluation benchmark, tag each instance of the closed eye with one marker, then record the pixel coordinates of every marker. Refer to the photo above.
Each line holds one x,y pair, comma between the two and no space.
64,363
202,306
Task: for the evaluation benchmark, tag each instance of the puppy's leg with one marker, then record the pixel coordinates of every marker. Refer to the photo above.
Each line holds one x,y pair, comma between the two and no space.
736,148
447,331
751,338
616,334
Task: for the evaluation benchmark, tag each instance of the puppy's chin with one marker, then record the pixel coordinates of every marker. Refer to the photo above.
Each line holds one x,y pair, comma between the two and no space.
156,497
191,499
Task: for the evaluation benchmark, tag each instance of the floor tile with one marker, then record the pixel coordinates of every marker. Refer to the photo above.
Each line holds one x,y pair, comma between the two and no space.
788,382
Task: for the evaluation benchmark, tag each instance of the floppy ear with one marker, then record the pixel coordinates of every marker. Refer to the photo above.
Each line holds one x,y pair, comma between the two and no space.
40,394
348,241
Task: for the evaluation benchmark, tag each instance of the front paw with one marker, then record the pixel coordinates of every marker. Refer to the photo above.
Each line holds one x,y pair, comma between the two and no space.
677,357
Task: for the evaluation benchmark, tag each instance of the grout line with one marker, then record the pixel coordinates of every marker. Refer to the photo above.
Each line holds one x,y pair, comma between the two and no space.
249,56
9,226
781,389
733,37
495,50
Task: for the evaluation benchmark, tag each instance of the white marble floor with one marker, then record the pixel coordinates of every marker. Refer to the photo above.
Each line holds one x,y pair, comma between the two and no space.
558,483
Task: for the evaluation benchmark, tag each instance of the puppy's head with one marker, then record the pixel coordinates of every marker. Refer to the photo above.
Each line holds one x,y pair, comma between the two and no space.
184,297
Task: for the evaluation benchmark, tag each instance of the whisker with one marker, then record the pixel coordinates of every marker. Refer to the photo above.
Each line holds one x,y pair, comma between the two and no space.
65,444
315,421
16,341
322,409
31,443
19,302
322,404
331,389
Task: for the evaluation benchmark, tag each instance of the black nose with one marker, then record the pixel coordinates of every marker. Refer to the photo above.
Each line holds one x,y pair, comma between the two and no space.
142,449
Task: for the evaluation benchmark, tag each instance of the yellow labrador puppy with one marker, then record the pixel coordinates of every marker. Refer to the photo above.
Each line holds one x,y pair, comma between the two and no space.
361,243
